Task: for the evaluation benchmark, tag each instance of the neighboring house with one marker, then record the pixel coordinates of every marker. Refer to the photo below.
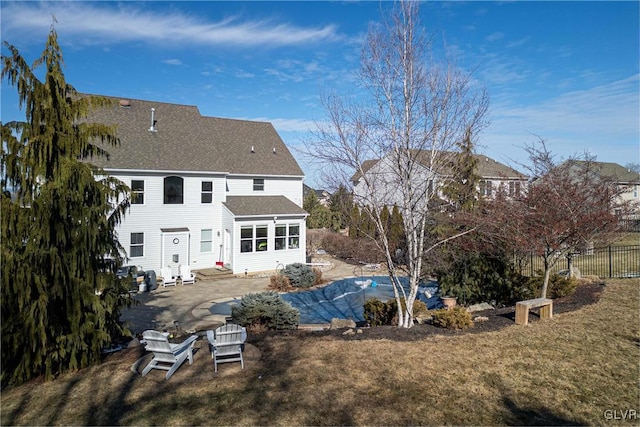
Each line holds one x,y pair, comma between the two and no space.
324,197
627,181
493,176
206,191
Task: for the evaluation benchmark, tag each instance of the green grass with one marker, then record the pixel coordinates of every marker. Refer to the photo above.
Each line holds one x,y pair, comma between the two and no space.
568,370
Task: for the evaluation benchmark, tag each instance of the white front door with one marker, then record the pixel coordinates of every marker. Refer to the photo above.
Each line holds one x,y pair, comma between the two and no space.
175,250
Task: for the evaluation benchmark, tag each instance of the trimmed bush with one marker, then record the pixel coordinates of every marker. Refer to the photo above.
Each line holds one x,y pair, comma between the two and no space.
378,313
559,286
300,275
318,275
280,283
349,248
265,310
479,277
456,318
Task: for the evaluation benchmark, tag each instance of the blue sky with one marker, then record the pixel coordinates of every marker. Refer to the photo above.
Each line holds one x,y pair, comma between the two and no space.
566,71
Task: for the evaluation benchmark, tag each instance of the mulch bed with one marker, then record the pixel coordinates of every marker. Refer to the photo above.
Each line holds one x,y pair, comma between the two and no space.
585,294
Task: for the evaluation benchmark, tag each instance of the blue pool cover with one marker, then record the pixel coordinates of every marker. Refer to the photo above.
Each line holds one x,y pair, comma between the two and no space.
343,299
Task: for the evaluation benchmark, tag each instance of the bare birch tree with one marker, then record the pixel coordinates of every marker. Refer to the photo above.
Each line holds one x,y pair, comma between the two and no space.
415,108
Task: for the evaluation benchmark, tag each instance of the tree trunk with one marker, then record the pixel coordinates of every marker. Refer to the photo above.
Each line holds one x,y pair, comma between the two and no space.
545,282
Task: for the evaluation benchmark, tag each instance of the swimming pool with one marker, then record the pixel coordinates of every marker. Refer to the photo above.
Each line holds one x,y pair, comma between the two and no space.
342,299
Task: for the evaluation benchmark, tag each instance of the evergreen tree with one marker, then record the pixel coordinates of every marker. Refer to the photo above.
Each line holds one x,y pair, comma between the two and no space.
61,300
340,205
462,189
354,222
319,216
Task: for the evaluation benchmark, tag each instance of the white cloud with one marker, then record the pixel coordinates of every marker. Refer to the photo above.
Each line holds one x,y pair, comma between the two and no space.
93,23
172,61
494,36
593,119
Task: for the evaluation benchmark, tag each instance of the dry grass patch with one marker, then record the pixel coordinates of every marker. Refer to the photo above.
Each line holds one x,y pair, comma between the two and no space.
565,371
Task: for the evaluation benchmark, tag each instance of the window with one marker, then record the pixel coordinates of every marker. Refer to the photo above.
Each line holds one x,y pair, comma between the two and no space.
282,237
261,238
246,239
514,188
136,249
258,184
485,188
206,240
173,188
253,238
137,192
294,236
207,192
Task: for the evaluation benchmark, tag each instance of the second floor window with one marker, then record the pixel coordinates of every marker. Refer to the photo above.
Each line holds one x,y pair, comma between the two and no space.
173,190
258,184
207,192
137,192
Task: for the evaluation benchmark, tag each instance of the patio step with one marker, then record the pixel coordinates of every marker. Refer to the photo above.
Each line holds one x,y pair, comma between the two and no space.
214,274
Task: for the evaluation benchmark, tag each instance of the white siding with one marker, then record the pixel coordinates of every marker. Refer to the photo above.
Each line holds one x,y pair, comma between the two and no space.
152,216
269,259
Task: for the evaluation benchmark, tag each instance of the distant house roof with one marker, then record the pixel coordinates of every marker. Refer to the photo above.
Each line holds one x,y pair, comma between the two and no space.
366,165
486,167
613,172
184,140
258,205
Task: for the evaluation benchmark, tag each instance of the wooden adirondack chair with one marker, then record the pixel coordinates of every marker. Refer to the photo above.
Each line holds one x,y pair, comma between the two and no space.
167,356
227,344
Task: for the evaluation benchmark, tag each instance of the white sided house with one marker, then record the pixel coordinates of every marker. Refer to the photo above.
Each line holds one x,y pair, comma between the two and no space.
206,191
378,180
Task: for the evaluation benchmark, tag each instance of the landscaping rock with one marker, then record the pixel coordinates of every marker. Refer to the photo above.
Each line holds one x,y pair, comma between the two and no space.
481,319
348,332
342,323
135,342
479,307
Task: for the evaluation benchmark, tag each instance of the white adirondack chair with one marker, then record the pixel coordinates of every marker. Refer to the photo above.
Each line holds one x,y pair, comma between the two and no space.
168,279
227,344
167,356
188,278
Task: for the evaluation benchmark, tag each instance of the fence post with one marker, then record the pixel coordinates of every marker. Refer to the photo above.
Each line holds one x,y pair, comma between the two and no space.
531,263
610,264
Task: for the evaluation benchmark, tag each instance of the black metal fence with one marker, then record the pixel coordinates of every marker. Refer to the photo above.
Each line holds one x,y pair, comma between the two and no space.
605,262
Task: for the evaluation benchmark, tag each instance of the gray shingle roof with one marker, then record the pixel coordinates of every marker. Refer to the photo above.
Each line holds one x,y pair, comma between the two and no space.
259,205
486,167
187,141
614,172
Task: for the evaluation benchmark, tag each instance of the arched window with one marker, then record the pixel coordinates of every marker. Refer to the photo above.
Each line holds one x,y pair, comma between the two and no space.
173,187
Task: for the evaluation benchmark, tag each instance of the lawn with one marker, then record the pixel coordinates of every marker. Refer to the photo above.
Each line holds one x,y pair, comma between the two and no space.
579,368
